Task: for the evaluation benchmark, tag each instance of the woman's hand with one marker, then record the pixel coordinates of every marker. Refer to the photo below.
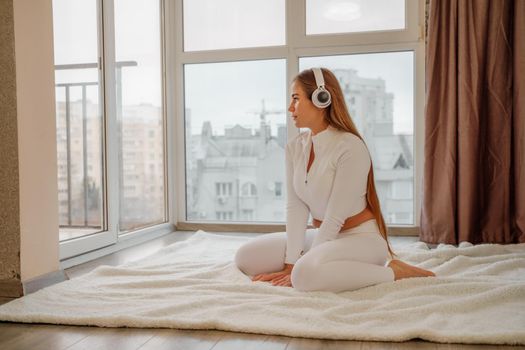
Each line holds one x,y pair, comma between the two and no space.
281,278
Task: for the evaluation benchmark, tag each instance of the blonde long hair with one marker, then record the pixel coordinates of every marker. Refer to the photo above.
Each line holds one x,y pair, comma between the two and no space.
337,116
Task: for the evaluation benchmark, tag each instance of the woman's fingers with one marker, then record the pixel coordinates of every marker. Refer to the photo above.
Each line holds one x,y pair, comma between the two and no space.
284,282
258,277
266,276
278,280
281,278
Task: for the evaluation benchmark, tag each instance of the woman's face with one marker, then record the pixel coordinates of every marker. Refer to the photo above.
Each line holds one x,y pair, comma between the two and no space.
304,113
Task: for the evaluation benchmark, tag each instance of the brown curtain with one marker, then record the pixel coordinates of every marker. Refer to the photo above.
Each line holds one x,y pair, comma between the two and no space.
474,175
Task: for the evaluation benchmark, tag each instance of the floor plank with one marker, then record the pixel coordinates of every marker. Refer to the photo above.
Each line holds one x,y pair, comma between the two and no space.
250,341
306,344
174,339
113,338
38,337
9,331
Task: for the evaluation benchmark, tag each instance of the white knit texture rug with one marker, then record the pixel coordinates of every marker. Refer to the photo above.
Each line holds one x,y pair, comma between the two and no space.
478,297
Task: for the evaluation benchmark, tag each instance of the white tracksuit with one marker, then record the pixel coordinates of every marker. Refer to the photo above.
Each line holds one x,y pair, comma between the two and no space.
331,191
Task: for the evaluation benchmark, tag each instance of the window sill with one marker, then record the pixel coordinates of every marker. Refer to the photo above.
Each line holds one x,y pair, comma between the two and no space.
397,230
125,241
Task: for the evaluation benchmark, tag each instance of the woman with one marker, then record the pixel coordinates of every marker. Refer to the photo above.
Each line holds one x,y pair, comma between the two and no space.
330,176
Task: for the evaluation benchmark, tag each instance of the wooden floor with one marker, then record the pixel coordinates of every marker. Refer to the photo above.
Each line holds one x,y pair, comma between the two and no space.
40,336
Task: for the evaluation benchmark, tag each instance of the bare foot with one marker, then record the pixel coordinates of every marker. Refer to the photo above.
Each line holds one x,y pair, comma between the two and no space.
404,270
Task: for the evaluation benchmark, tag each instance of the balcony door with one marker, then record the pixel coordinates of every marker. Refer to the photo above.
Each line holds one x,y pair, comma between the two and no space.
81,125
110,121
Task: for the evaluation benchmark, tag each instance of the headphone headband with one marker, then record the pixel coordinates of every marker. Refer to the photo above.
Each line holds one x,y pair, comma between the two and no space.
319,79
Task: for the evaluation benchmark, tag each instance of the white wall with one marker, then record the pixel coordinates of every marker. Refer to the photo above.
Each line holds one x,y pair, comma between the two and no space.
33,21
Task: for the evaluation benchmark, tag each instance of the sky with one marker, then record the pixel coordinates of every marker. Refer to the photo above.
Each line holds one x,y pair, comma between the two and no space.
227,93
137,38
395,68
230,93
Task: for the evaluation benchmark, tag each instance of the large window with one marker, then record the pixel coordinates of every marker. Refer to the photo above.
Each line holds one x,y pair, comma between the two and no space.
110,120
138,76
228,24
230,70
381,103
343,16
79,119
235,137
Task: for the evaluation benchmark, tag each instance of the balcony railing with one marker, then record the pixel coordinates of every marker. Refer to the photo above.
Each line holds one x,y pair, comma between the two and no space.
83,85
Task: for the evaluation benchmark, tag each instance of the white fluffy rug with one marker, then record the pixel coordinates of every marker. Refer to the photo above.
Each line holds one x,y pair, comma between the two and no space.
478,297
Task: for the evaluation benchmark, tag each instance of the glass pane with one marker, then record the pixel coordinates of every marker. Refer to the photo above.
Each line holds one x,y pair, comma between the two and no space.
380,100
228,24
140,112
235,139
79,118
349,16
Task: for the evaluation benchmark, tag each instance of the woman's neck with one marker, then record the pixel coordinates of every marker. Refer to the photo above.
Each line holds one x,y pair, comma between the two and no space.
319,128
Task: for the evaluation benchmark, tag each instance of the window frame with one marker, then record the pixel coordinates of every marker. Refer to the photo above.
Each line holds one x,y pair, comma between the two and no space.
110,235
298,44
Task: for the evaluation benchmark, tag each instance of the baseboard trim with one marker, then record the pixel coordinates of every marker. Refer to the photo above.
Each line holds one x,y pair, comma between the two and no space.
268,228
46,280
127,242
231,228
15,288
403,231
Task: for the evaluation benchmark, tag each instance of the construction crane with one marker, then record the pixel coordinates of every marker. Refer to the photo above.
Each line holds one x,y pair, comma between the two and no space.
264,126
264,112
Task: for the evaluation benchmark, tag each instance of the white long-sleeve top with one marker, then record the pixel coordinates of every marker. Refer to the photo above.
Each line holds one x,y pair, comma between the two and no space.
332,190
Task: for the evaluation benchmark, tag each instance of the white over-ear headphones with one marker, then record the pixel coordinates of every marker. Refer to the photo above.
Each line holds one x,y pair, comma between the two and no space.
321,97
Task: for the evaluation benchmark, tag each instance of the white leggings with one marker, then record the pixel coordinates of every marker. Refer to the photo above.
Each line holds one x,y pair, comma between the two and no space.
356,259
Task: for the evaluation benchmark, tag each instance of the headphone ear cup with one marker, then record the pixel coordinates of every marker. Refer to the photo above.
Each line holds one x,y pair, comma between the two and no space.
321,98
